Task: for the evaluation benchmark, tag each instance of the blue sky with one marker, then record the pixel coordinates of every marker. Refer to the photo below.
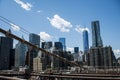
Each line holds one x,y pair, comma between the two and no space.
65,18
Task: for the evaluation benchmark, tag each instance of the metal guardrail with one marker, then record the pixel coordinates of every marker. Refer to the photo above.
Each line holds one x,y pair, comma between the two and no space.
101,69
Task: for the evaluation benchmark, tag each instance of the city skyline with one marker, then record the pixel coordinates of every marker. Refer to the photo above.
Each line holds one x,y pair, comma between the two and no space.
65,19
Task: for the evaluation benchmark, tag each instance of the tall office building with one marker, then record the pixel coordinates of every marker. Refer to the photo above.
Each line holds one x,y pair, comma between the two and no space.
58,64
12,58
96,38
62,40
34,39
77,54
98,55
20,54
46,59
76,49
32,53
58,46
85,41
85,45
101,56
46,45
6,44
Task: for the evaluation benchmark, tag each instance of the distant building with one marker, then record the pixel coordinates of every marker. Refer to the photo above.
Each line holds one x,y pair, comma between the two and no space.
101,56
85,41
32,53
12,58
85,45
96,38
58,64
34,39
76,49
37,64
77,54
46,59
58,46
77,57
47,45
20,54
118,60
6,44
63,41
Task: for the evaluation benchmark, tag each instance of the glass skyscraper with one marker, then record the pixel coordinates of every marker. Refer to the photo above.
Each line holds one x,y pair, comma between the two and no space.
33,53
34,39
85,41
46,45
96,38
58,46
62,40
20,54
46,59
76,49
6,44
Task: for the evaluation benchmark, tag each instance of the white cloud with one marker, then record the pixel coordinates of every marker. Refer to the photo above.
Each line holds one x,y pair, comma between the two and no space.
27,6
15,27
45,36
39,11
70,49
60,23
117,53
81,29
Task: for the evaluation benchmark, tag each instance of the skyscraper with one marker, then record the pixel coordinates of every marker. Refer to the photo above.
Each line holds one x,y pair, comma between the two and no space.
96,38
34,39
58,46
85,41
46,59
46,45
62,40
12,58
32,53
76,54
76,49
20,54
101,56
6,44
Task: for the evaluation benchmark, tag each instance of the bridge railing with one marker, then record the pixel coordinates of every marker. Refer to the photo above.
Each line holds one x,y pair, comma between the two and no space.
101,69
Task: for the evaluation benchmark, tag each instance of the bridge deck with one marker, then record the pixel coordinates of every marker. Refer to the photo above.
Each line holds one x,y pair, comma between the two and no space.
66,76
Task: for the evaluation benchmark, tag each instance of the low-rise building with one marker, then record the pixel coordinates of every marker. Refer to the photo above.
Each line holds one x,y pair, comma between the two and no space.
37,65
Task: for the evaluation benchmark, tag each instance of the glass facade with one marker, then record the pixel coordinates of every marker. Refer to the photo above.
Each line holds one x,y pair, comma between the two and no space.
34,39
46,45
46,58
33,53
76,49
20,54
6,44
12,58
62,40
96,38
58,46
85,41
